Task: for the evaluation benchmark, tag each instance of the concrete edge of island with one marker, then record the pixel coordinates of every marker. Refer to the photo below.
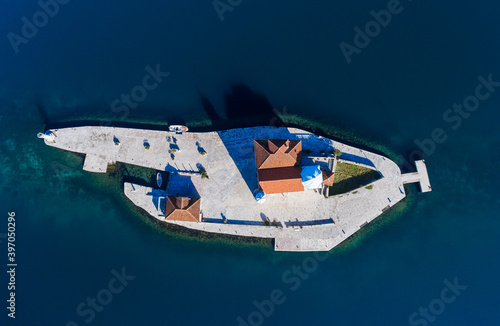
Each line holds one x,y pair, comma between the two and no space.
214,178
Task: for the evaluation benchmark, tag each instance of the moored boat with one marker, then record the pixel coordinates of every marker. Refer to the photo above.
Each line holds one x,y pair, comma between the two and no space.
159,179
178,129
48,135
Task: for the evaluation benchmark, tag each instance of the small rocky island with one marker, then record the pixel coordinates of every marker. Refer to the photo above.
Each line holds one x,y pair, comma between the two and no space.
307,192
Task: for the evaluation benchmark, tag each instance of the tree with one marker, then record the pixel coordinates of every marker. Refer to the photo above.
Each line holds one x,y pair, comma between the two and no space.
336,152
204,174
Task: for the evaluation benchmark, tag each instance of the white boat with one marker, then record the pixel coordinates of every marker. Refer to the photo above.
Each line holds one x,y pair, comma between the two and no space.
158,179
178,129
48,135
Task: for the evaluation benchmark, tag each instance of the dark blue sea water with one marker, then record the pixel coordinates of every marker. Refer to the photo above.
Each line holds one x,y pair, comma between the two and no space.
75,232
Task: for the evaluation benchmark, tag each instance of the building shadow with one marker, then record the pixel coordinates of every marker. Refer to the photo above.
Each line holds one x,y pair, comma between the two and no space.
158,197
235,222
209,109
247,108
353,183
181,186
357,159
305,223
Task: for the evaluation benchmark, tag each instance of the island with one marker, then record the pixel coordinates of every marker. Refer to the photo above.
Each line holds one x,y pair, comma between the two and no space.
304,191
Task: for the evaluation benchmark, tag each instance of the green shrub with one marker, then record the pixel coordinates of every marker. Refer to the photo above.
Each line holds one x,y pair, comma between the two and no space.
203,152
204,174
370,187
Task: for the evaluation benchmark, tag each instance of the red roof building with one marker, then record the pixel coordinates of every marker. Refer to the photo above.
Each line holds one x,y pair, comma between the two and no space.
280,180
278,165
277,153
182,209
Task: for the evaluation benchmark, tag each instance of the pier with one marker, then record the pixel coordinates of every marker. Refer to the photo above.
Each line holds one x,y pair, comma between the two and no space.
420,176
297,221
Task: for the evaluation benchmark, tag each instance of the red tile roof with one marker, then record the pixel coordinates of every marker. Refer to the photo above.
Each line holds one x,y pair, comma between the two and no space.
182,209
277,153
328,178
280,180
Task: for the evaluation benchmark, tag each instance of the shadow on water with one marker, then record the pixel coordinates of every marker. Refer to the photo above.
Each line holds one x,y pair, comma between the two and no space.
243,108
209,109
43,112
243,103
